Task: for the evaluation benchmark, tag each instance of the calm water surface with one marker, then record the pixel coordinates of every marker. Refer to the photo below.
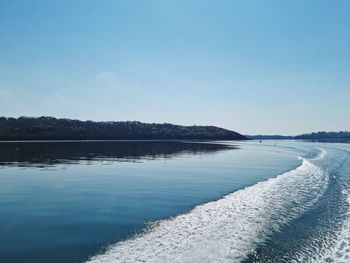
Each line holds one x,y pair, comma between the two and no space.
65,202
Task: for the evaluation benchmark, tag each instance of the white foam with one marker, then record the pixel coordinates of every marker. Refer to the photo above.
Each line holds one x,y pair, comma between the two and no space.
340,251
226,230
321,155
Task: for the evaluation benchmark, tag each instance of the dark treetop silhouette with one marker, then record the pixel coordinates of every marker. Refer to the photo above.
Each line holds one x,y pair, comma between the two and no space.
49,128
342,136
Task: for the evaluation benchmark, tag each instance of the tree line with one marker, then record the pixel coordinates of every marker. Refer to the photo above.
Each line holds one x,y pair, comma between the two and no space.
50,128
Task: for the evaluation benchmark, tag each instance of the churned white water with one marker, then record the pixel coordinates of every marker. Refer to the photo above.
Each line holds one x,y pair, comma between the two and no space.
229,229
340,251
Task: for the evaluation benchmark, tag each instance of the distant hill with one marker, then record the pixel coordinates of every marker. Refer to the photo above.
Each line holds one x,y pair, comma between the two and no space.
49,128
269,137
342,136
325,136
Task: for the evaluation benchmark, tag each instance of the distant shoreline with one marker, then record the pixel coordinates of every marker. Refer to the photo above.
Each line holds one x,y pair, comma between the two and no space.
152,140
52,129
342,136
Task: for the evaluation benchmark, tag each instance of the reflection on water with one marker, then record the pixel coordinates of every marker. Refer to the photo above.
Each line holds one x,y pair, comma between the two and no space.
66,213
44,154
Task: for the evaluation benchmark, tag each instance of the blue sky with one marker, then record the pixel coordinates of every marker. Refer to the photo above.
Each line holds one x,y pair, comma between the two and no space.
257,67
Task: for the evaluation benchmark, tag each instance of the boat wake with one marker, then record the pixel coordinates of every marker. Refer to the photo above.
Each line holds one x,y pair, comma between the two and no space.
229,229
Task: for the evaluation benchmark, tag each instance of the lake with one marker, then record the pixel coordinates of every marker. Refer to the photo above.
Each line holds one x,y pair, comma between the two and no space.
172,201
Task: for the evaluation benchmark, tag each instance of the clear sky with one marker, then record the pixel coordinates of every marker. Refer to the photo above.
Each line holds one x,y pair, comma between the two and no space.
257,67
